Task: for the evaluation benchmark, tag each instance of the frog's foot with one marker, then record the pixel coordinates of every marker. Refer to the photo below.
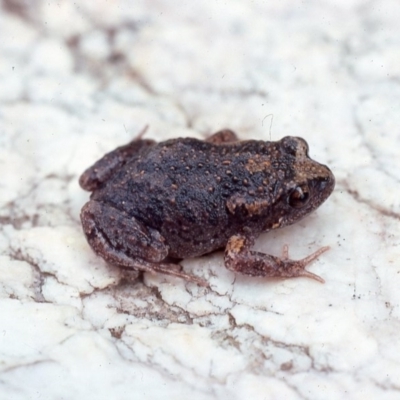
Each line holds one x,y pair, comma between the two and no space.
122,240
224,136
239,258
305,261
141,133
161,268
169,269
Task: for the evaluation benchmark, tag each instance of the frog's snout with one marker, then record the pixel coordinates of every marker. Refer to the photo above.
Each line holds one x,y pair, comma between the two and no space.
325,183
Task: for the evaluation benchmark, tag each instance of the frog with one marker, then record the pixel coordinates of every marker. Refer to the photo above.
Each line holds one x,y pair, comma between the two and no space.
153,204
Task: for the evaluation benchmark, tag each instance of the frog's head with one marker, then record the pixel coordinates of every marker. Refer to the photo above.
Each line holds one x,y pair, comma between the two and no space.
303,187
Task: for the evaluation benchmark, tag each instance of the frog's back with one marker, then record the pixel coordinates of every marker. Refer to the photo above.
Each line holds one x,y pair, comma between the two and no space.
180,187
169,175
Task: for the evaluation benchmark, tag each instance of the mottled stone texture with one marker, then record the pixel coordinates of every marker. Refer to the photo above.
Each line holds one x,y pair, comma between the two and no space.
78,79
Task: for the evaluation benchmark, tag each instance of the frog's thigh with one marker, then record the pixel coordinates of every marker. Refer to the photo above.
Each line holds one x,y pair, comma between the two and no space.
102,169
118,237
239,258
124,241
224,136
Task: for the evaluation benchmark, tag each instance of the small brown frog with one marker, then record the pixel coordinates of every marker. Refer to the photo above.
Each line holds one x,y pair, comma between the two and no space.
153,204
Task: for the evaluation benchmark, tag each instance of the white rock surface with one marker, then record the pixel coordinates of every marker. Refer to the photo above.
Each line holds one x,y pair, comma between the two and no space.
80,78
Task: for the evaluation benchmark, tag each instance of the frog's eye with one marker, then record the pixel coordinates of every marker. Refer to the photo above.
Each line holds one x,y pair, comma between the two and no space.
299,196
295,146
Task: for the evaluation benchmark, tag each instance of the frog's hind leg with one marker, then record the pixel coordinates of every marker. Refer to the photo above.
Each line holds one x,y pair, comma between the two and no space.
102,169
116,235
122,240
222,137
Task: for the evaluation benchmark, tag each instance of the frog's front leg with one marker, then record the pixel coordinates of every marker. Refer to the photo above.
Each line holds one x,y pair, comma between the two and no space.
102,169
239,258
122,240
